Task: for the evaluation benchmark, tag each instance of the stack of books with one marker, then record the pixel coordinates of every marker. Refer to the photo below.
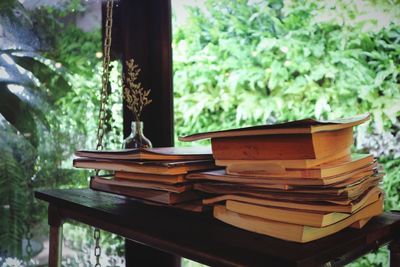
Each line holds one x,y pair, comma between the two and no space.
156,175
296,181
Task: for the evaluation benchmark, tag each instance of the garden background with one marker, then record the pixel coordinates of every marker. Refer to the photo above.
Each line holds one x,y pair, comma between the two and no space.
236,63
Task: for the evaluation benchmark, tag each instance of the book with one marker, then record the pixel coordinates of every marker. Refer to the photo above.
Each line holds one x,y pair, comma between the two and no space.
351,181
158,153
367,198
305,126
287,215
305,139
176,188
321,171
158,167
293,232
221,175
282,146
157,196
347,191
151,177
283,164
229,189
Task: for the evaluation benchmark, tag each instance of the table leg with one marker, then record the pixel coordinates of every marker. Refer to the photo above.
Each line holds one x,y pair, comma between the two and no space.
55,242
141,255
394,248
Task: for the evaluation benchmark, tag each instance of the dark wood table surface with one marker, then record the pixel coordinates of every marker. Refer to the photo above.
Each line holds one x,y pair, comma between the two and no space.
204,239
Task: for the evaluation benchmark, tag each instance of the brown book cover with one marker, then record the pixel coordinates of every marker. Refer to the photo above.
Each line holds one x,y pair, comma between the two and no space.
158,196
175,188
284,163
151,177
283,146
155,167
305,139
158,153
293,127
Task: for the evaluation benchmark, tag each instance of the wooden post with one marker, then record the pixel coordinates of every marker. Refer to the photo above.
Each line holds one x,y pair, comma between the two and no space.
142,30
394,248
55,243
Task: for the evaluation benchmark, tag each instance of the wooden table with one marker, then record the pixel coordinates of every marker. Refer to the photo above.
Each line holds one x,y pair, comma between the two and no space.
163,234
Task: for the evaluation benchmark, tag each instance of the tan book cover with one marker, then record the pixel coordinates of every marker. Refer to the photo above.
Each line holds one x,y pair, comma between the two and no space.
349,190
367,198
229,189
288,215
293,232
222,176
321,171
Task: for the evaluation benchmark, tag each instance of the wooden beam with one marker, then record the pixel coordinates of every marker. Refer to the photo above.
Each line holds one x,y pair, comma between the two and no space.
142,31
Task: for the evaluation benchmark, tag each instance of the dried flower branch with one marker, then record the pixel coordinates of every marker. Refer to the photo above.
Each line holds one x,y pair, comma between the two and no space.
135,95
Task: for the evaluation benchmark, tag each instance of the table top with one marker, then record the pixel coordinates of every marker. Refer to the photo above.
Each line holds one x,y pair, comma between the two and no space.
202,238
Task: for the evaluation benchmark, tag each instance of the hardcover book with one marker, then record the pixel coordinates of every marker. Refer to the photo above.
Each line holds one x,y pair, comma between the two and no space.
158,196
150,167
293,232
159,153
296,140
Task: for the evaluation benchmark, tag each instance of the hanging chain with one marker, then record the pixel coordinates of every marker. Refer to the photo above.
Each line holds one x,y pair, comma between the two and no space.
106,75
103,102
97,248
29,234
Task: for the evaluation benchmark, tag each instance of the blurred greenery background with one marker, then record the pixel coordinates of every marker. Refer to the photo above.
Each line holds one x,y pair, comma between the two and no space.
236,63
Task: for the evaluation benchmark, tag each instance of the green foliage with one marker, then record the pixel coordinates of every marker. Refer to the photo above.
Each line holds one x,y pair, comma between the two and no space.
24,105
391,184
246,64
14,166
378,259
49,104
238,64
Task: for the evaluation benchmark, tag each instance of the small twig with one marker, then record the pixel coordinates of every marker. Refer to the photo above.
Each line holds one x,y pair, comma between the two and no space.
135,95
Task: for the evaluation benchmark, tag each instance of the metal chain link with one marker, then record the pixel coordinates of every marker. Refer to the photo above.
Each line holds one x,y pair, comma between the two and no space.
103,102
29,234
97,248
29,245
106,75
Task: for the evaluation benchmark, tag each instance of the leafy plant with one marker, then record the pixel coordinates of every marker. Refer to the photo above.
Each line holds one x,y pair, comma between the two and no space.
24,103
42,106
239,64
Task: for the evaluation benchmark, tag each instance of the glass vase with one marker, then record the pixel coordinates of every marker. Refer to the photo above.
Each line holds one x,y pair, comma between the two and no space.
136,139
